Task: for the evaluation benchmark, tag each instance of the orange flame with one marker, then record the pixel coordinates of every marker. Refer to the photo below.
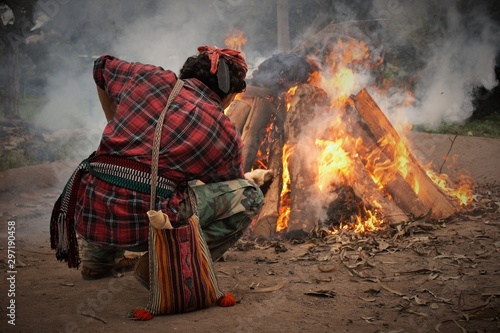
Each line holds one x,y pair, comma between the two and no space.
462,193
401,159
284,210
339,79
345,73
289,96
369,223
236,40
333,164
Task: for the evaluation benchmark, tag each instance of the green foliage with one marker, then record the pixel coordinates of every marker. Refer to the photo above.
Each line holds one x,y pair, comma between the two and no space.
488,126
29,107
14,159
37,150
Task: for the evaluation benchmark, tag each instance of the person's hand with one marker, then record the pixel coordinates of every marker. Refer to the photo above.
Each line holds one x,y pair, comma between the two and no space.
260,176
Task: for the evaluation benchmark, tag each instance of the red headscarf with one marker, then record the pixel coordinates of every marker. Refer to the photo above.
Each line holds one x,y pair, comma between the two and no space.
229,54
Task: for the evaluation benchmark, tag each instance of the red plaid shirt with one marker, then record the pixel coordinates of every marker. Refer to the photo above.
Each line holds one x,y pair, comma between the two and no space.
198,142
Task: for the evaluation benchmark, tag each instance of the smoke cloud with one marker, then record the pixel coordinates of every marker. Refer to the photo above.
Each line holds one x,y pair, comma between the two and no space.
149,31
456,42
457,54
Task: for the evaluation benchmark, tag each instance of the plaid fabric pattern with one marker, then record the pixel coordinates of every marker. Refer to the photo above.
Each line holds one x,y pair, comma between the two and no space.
198,142
120,172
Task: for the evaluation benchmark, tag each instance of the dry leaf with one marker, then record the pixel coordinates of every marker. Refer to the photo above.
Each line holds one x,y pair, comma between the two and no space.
367,299
322,293
390,290
382,245
267,289
419,301
330,269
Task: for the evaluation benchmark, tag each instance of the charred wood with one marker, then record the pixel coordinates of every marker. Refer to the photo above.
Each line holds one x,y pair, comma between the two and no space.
393,182
380,127
255,130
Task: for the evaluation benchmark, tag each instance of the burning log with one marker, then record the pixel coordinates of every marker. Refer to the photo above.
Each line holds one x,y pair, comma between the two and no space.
301,112
369,193
252,91
254,130
238,113
303,216
266,221
380,127
395,185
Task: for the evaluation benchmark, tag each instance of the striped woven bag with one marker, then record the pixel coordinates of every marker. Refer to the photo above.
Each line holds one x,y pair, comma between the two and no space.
182,277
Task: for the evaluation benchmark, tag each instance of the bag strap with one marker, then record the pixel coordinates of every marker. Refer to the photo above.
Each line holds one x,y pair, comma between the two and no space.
156,142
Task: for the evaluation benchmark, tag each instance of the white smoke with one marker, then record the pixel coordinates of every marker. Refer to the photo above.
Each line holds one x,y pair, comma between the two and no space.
460,58
164,37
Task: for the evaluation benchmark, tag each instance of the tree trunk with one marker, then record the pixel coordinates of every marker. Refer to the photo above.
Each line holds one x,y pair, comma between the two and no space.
283,26
12,86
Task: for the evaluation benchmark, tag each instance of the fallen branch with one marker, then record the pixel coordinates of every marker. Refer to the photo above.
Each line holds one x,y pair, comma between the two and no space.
447,154
383,286
268,289
92,316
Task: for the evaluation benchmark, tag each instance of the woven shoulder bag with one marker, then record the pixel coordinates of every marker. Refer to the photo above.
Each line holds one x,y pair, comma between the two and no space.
182,277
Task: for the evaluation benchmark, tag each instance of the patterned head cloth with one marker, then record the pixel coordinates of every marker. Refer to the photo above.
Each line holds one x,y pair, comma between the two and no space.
230,55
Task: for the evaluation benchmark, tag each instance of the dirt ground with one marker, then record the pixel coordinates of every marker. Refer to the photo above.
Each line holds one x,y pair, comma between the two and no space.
441,276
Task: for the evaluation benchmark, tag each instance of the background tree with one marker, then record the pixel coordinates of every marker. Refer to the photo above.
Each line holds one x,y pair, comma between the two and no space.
16,22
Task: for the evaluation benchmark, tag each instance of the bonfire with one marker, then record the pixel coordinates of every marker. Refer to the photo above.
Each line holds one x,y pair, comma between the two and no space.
339,163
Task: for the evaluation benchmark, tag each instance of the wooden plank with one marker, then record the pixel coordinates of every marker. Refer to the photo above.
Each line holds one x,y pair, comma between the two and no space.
303,216
380,127
265,225
254,130
395,185
366,189
252,91
238,113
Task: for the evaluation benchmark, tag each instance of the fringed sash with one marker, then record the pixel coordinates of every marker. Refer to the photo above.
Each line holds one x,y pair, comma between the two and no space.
118,171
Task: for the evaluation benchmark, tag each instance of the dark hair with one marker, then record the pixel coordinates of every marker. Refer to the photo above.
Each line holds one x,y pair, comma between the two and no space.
199,67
